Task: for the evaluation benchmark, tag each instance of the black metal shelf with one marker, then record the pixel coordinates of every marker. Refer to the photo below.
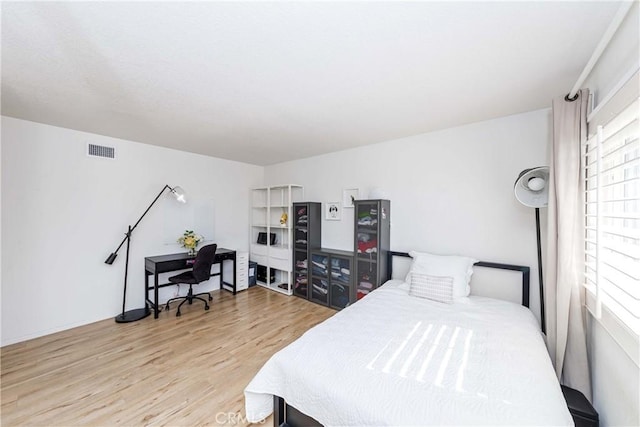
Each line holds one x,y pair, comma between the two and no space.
371,268
311,231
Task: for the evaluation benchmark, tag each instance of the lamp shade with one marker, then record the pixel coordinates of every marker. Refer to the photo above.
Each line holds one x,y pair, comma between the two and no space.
532,187
179,194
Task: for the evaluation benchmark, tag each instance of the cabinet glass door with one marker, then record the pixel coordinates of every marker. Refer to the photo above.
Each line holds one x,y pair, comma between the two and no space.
367,278
367,244
301,238
367,214
319,265
340,282
301,274
320,290
300,216
320,270
340,270
367,230
301,285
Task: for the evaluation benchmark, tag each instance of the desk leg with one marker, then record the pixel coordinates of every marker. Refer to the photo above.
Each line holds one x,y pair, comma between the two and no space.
222,275
146,289
155,295
232,258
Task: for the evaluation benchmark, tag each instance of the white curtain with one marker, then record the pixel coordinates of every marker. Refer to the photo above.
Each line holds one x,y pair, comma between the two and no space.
564,295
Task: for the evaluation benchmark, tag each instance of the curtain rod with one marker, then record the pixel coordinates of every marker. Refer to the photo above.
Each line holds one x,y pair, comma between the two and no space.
604,41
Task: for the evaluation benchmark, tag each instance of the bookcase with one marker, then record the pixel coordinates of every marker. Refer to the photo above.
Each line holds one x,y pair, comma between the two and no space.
372,226
271,225
307,230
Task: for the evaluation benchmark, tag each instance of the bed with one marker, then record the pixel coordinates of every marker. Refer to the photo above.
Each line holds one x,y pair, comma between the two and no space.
394,359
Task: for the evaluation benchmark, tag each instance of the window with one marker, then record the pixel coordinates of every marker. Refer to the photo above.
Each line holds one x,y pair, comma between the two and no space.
611,161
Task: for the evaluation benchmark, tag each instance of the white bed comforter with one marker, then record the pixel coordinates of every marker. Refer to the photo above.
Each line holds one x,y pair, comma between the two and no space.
394,359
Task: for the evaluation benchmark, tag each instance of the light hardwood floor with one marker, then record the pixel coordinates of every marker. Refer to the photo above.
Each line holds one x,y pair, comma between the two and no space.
184,371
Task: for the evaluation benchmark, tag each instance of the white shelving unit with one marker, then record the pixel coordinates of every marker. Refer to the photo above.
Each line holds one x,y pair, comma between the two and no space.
267,206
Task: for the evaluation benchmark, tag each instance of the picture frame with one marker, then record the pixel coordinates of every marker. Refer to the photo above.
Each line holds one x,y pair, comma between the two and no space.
348,197
332,211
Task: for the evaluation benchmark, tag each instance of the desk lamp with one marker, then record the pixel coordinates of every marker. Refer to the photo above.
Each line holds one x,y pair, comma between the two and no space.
138,313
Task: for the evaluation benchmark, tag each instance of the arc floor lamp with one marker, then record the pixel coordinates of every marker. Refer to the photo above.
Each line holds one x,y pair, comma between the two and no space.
138,313
532,190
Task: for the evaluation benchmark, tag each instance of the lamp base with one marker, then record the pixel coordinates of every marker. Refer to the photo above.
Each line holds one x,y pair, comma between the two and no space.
133,315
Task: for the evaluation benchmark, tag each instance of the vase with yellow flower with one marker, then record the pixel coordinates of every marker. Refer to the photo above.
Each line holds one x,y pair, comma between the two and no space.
190,240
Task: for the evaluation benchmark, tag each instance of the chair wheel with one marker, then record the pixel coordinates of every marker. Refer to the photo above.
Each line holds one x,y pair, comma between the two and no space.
166,307
178,314
206,307
210,298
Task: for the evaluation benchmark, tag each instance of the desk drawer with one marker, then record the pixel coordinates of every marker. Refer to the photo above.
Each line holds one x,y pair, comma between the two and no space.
242,260
242,281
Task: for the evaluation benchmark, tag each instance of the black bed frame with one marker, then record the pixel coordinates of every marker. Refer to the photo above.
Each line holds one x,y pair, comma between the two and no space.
285,415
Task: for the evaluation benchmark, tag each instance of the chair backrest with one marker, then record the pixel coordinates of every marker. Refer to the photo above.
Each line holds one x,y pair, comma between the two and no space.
203,262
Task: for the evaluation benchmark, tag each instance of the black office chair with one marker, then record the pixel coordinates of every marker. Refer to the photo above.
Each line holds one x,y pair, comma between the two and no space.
201,272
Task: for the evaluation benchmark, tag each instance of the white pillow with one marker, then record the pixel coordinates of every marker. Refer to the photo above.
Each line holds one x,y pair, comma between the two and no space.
435,288
460,268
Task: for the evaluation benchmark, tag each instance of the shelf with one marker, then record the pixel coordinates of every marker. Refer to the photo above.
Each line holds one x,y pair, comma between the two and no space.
268,205
365,229
280,246
272,227
285,186
274,287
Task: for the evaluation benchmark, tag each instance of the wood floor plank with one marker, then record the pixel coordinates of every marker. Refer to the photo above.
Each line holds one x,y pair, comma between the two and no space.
173,371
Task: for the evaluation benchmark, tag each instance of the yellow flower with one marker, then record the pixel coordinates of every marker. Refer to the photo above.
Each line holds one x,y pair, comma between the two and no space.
190,242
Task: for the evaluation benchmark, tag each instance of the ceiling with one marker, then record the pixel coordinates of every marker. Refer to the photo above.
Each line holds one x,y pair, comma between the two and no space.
266,82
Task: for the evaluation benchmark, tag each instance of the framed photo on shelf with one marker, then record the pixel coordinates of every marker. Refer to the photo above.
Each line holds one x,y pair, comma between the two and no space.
349,195
332,211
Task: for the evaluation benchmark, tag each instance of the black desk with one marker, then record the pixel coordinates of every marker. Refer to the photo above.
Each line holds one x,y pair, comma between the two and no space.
155,265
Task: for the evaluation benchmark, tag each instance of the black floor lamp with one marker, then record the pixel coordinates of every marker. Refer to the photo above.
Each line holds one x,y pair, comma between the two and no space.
138,313
532,190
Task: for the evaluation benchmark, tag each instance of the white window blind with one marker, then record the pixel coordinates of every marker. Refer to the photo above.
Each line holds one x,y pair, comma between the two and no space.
611,161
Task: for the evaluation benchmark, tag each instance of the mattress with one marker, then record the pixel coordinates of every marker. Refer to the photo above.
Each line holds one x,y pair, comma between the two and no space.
395,359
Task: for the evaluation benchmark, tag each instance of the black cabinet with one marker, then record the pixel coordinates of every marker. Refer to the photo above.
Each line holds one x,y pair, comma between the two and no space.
331,278
372,219
306,236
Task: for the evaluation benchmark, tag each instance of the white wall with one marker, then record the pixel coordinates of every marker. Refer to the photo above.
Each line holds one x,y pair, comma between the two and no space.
615,377
63,213
451,191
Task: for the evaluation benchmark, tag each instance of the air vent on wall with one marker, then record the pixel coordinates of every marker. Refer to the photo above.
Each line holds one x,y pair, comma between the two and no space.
103,151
